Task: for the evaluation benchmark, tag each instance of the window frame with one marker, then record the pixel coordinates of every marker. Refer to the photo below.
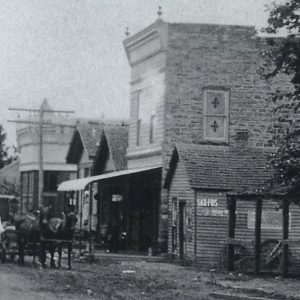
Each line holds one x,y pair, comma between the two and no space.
152,129
225,116
86,172
138,120
50,181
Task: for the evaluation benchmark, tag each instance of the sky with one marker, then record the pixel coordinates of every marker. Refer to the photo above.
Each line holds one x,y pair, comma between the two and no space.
71,51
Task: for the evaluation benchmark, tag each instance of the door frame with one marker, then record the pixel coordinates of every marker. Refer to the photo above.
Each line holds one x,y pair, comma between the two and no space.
181,228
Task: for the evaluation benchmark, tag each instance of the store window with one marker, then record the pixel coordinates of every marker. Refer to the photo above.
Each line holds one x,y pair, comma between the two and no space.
86,172
50,181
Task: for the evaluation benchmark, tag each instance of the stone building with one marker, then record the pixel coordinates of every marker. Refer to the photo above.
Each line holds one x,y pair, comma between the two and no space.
196,101
195,84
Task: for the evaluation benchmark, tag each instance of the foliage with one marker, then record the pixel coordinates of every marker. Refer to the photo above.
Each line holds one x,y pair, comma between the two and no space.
14,155
3,148
10,188
282,58
7,154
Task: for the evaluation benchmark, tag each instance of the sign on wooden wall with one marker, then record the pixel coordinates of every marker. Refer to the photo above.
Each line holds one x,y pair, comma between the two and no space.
269,220
213,212
209,206
117,198
207,202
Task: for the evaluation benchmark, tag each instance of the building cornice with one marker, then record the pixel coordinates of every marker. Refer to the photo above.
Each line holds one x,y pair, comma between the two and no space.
142,153
147,43
31,166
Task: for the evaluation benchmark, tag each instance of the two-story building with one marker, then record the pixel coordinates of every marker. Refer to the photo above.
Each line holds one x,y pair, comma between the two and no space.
56,134
198,110
199,129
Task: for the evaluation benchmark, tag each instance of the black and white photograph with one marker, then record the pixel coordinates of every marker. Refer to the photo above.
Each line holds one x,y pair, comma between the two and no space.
150,149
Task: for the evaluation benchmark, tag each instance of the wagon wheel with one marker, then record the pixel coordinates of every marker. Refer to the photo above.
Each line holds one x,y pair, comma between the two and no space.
270,255
242,258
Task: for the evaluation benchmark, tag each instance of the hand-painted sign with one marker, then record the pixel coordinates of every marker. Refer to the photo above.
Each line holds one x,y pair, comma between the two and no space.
207,202
269,220
117,198
213,212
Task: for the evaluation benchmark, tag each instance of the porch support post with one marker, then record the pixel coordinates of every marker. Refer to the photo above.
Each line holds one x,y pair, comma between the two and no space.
127,204
285,236
231,233
257,238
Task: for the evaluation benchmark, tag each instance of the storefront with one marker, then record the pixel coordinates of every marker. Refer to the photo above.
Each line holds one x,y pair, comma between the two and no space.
122,207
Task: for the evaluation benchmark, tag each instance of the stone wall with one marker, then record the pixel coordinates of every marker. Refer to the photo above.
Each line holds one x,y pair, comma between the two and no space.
213,56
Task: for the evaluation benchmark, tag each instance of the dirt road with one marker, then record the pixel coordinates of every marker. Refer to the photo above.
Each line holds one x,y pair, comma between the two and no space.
102,280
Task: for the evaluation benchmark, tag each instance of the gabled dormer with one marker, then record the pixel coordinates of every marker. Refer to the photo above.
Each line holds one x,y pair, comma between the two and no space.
84,145
111,153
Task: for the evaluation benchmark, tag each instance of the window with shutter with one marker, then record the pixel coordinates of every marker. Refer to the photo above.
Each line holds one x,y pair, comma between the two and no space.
216,115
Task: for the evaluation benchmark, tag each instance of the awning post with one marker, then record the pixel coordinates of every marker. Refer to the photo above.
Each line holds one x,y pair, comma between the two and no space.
231,233
80,225
285,236
90,223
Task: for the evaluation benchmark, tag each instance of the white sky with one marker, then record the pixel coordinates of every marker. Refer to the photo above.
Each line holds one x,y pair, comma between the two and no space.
71,51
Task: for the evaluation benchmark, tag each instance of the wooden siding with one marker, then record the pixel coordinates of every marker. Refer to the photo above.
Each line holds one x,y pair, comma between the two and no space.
269,206
211,230
181,190
206,227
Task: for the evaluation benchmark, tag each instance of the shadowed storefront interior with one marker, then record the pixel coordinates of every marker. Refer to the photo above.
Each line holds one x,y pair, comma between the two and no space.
127,204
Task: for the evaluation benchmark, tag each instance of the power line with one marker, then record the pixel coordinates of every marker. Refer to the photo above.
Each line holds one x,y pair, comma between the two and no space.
41,123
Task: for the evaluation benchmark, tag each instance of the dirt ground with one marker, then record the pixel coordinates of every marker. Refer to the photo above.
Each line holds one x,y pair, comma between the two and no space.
116,279
105,279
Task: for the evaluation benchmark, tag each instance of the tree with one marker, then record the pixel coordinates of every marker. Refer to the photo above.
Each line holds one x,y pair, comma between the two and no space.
282,58
3,148
10,187
13,155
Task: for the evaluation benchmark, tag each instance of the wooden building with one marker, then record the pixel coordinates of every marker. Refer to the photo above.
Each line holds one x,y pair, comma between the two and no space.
124,196
201,182
54,146
83,146
96,148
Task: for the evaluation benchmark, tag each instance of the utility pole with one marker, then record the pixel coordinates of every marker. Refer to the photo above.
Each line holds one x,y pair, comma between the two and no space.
41,111
41,169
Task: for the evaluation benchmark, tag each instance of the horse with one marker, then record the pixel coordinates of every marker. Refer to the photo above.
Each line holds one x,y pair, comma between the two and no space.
28,229
55,234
